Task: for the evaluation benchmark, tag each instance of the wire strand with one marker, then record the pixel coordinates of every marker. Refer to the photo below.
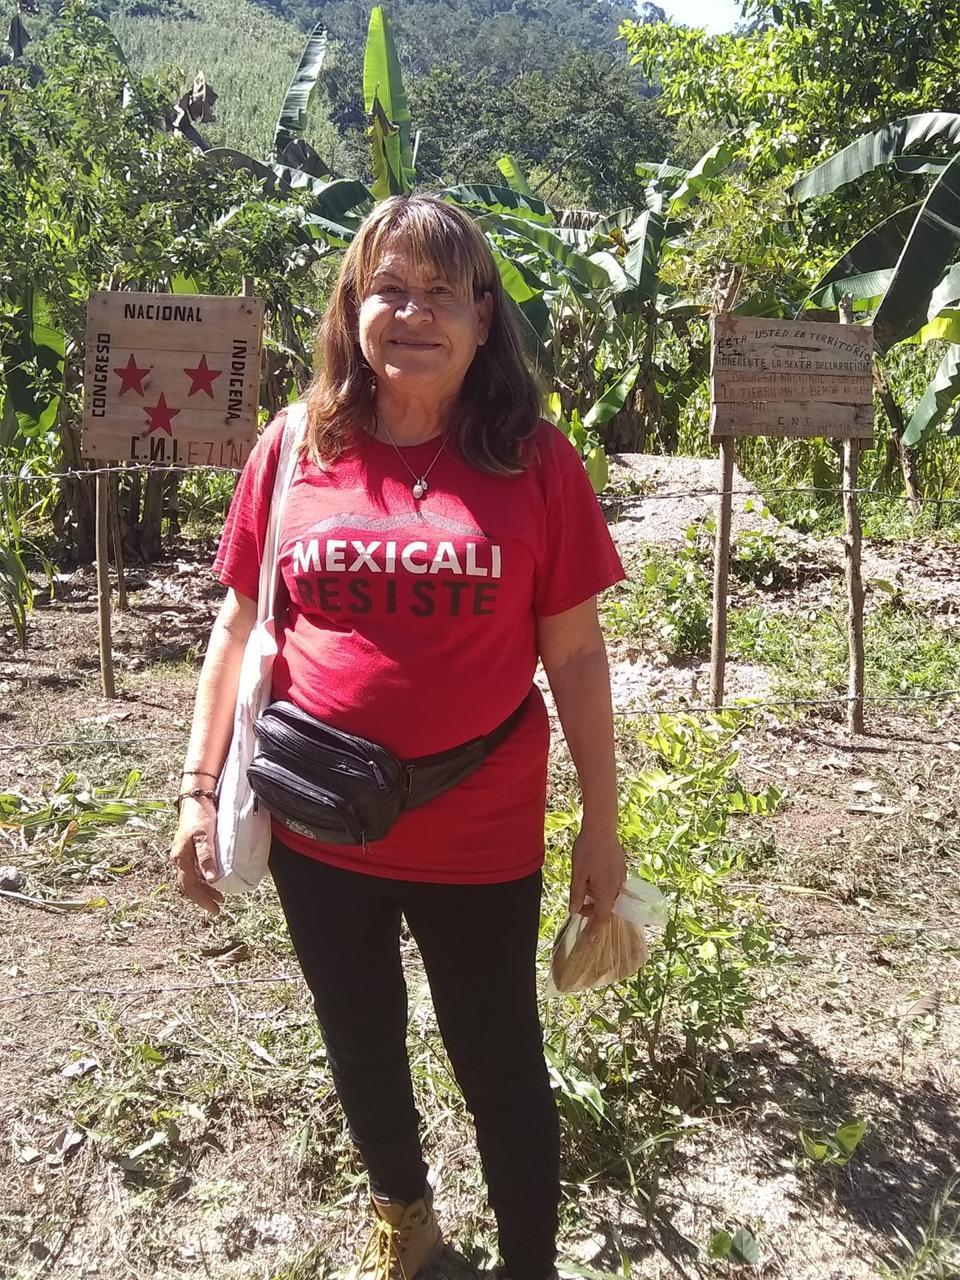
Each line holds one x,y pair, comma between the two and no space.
628,713
755,492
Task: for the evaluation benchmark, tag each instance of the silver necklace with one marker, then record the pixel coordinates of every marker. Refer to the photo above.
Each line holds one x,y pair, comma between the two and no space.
420,485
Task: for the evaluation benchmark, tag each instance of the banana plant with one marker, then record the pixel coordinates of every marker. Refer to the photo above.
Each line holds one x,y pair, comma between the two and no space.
328,219
290,148
904,274
599,283
31,356
385,102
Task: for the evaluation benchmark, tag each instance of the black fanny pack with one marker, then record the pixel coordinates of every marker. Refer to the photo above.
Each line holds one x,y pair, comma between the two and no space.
343,789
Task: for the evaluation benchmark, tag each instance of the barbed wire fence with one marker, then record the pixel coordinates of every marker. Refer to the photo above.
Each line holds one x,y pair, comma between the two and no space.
632,712
756,491
744,707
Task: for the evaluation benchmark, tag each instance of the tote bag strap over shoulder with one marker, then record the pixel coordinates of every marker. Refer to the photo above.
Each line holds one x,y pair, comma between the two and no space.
293,433
243,829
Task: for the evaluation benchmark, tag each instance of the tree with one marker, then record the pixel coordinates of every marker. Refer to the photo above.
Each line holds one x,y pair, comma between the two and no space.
810,74
906,274
581,129
95,189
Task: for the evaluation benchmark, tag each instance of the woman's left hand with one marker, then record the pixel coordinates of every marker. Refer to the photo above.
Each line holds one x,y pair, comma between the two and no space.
598,872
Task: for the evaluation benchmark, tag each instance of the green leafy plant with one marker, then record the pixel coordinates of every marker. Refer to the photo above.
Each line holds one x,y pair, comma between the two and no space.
16,551
61,831
907,651
668,599
16,589
675,822
907,282
739,1247
763,559
835,1148
936,1254
629,1063
585,440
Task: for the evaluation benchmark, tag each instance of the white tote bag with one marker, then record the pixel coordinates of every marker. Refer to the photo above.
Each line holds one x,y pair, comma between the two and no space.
243,829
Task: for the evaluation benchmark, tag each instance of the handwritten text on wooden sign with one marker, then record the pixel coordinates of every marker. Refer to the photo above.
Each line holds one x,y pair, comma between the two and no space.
791,378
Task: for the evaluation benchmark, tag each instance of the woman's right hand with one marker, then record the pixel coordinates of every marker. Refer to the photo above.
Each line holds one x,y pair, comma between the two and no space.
193,855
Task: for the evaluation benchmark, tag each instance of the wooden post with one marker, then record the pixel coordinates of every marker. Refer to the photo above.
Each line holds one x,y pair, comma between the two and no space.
103,586
247,290
852,547
721,571
727,292
117,543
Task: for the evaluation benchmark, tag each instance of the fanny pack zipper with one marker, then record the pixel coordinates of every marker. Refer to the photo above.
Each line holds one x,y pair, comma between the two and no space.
288,739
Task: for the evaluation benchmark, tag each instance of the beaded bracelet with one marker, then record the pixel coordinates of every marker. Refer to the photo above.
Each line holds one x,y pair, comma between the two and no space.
196,794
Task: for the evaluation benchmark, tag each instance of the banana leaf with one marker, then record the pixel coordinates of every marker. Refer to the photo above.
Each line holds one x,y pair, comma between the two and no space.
617,277
31,360
866,288
487,199
296,103
514,175
180,122
937,400
18,37
613,399
920,164
525,296
577,219
946,293
389,115
879,249
873,150
615,225
642,262
312,227
338,198
597,468
658,169
521,284
942,328
709,167
230,158
931,247
298,155
580,267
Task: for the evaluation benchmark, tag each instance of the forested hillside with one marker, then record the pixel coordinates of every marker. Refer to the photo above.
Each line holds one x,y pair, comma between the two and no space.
549,83
247,54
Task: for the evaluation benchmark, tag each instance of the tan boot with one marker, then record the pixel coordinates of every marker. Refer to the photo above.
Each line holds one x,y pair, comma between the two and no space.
406,1238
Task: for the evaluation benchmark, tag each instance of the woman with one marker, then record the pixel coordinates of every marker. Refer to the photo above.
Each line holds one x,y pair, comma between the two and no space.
437,539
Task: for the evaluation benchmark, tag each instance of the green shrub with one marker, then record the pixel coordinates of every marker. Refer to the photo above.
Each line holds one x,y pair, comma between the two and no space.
668,600
629,1061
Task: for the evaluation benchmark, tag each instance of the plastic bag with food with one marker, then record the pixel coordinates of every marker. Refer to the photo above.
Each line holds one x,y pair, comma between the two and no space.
579,962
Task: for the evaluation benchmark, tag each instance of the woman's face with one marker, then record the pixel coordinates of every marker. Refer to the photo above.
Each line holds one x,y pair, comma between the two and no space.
419,331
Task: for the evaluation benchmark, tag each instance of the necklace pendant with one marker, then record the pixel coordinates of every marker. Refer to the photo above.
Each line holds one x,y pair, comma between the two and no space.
420,488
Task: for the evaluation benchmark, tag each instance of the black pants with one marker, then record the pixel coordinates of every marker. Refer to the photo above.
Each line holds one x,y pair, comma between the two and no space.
478,944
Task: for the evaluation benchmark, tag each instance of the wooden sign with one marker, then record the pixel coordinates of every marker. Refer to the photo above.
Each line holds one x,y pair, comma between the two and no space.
171,378
793,378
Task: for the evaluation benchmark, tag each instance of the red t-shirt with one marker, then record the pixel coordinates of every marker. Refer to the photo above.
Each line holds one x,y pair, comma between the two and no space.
417,628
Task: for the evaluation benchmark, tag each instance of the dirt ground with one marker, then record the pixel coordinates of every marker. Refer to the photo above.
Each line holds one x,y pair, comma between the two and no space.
110,987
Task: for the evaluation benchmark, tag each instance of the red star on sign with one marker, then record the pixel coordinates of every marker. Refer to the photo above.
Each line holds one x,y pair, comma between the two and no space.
160,417
202,377
131,377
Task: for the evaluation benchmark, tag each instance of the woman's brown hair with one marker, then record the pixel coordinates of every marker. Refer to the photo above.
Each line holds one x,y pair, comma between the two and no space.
499,402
